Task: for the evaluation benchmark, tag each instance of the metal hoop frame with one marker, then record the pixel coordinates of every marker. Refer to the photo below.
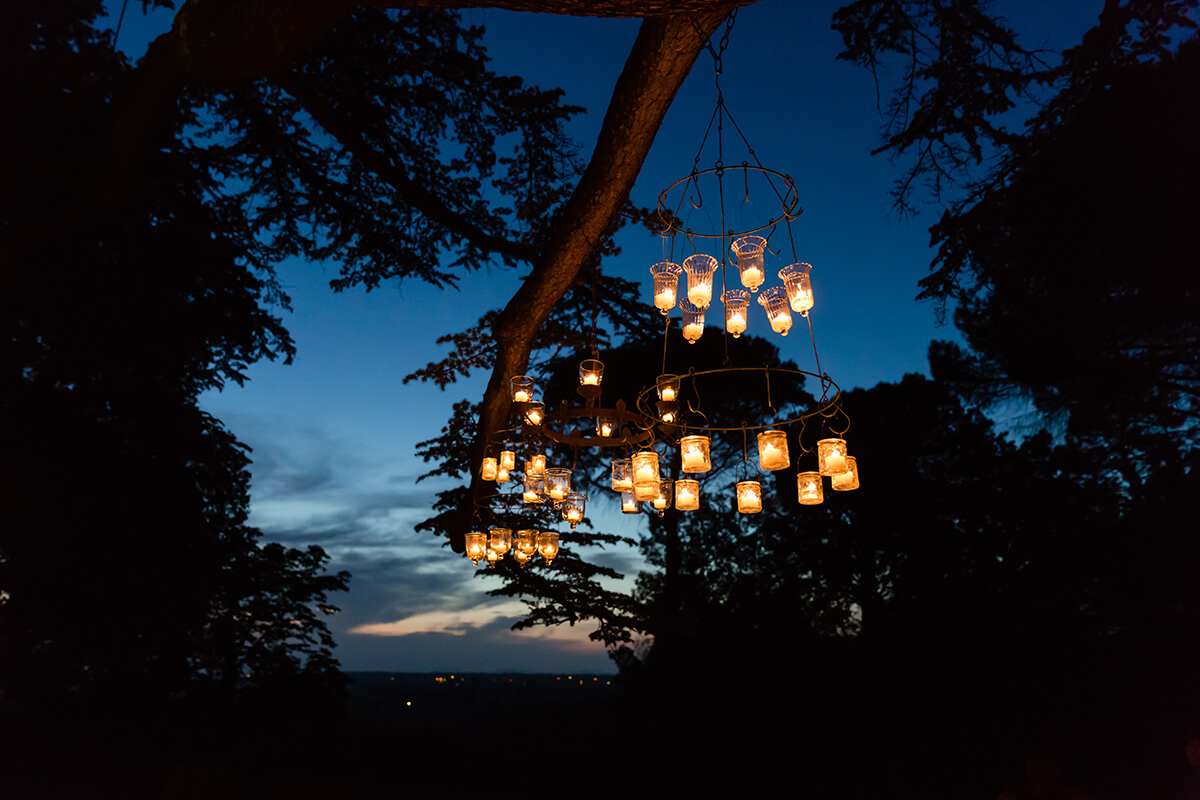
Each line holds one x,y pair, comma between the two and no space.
789,201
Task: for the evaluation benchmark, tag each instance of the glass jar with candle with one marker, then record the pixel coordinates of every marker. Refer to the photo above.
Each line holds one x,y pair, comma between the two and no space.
558,484
645,474
501,539
629,503
831,456
492,556
476,546
508,459
799,289
774,300
668,388
848,480
591,372
695,454
535,412
536,465
488,470
666,285
773,451
605,426
522,388
502,476
693,321
573,508
522,557
548,545
535,488
622,475
809,489
525,542
748,251
737,309
749,497
662,498
687,495
700,268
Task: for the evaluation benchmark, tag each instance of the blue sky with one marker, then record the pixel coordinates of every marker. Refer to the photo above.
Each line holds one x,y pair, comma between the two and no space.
333,434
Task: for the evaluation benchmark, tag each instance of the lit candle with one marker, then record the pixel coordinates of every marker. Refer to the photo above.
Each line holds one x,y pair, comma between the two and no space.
668,416
623,485
736,323
692,331
665,299
835,462
502,476
660,502
809,492
534,417
693,458
803,301
573,515
628,505
752,277
646,474
700,296
684,498
844,479
771,457
556,493
530,497
780,323
591,379
606,429
520,396
668,394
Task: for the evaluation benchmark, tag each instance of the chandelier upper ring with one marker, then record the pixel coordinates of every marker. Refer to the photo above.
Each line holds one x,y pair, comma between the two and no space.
789,201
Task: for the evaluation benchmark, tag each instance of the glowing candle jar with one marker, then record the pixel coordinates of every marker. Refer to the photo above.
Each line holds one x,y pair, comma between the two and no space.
808,488
693,321
700,268
591,372
536,465
687,495
737,305
645,474
831,456
525,543
476,547
535,487
547,542
666,285
501,540
695,455
605,426
502,476
508,460
522,557
488,470
749,497
558,484
668,388
522,388
668,416
622,475
798,286
573,508
774,300
848,480
748,251
535,413
662,499
492,556
629,503
773,451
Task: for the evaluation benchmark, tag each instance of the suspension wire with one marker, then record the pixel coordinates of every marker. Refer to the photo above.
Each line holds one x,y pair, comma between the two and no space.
825,382
666,337
120,19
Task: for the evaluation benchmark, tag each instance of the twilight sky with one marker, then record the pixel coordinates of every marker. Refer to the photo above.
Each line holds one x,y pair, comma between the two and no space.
333,434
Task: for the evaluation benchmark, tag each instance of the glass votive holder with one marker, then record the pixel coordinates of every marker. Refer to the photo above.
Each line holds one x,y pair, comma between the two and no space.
488,469
799,288
522,388
622,475
693,321
662,498
502,476
737,310
606,426
668,388
773,451
558,484
808,489
666,285
547,545
831,456
749,497
525,542
591,372
700,268
501,540
774,300
687,495
508,459
536,465
694,452
535,489
522,557
645,470
492,556
848,480
573,508
535,412
476,546
629,503
748,251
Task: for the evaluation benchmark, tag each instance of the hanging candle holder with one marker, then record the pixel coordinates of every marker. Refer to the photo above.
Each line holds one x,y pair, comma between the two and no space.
622,475
535,488
668,388
666,285
508,460
591,372
629,503
748,251
522,557
522,389
525,543
737,310
536,465
488,469
547,542
558,484
846,481
695,453
799,289
500,540
774,300
535,412
502,476
662,499
693,321
700,268
645,474
573,508
773,451
808,489
687,495
492,556
831,456
605,426
749,497
476,547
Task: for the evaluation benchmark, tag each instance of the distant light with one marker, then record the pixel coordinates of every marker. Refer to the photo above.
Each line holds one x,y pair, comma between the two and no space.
409,703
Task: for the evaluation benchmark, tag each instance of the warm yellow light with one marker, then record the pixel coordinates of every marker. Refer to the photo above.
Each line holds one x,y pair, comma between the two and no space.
488,470
694,453
749,497
773,450
809,489
687,495
476,547
831,456
508,460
